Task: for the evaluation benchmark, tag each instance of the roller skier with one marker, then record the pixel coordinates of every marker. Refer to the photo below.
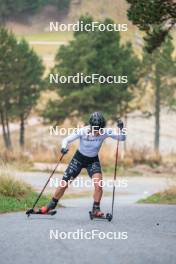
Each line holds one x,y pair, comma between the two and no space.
91,138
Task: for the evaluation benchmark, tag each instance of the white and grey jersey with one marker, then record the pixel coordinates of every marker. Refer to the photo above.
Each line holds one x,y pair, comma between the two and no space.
90,144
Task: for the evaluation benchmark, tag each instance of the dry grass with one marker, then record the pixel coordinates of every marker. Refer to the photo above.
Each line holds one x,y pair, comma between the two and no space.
40,153
170,191
131,157
16,159
8,156
141,156
42,147
50,152
170,159
11,187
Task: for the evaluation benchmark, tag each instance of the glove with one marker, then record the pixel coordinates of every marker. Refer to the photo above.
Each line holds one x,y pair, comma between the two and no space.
120,124
64,150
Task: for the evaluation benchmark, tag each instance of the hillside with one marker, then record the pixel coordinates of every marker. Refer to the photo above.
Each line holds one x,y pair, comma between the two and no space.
38,22
34,28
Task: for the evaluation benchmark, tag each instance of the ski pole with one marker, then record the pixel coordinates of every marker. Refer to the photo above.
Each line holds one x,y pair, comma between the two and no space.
47,181
115,176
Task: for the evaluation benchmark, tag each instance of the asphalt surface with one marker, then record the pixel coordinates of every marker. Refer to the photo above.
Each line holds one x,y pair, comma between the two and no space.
150,232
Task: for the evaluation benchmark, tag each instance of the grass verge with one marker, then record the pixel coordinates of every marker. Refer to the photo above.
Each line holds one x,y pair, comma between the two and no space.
166,197
13,204
16,195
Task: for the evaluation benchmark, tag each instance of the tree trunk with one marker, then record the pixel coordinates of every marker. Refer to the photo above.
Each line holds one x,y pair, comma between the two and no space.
157,111
8,131
4,132
22,129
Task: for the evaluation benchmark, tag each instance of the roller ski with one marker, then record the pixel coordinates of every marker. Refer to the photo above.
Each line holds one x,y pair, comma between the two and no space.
42,211
98,214
48,210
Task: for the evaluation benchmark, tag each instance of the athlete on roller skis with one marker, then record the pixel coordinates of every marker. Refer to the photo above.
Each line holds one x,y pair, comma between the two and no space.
91,138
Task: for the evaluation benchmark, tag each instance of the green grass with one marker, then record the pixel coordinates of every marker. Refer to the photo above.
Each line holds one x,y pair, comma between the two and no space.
16,195
13,204
166,197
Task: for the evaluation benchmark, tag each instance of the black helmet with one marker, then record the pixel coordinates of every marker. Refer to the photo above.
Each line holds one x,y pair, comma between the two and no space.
97,120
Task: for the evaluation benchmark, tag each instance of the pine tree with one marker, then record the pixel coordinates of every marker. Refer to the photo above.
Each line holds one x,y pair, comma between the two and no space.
7,94
156,18
21,73
90,53
28,75
161,67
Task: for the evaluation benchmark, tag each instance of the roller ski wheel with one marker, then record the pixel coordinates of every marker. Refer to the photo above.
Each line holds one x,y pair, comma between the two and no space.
41,211
109,217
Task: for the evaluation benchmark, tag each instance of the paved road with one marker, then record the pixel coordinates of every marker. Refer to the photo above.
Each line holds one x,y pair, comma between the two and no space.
28,241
